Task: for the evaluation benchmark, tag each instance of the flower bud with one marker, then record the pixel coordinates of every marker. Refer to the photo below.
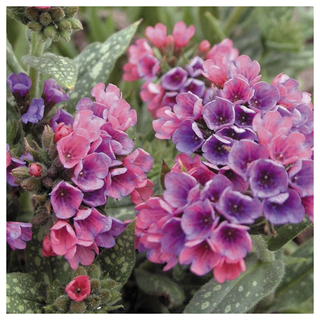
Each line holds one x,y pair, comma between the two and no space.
62,303
35,170
50,309
64,25
31,184
20,172
45,18
57,14
204,47
61,131
32,13
70,11
75,24
77,307
95,285
41,198
34,26
108,283
51,32
105,295
81,271
41,37
93,301
66,35
94,271
47,137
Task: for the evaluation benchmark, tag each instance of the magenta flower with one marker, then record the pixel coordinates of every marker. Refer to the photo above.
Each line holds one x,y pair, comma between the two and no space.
47,247
166,124
228,270
284,208
218,114
243,116
72,149
237,90
216,70
18,233
53,93
61,131
148,67
239,208
139,50
140,195
235,133
35,170
198,220
65,200
265,96
35,112
174,79
216,150
188,106
188,137
244,66
267,178
182,34
130,72
195,67
169,99
157,35
79,288
201,256
62,116
105,238
152,94
19,84
231,241
63,238
195,86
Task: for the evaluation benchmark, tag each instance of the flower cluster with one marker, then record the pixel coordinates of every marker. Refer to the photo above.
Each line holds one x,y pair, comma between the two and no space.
84,160
166,61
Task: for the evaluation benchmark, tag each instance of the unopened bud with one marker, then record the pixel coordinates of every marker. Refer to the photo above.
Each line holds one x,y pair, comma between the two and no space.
34,26
57,14
108,283
62,303
51,32
41,37
61,131
64,25
31,184
32,13
93,302
95,285
50,309
75,24
35,170
81,271
77,307
66,35
47,137
45,18
204,46
105,295
41,198
94,271
20,172
70,11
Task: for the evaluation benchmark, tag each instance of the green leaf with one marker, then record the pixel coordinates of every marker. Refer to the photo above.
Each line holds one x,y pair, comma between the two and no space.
297,285
164,170
18,13
160,285
96,61
62,69
287,232
241,294
119,261
121,209
22,294
12,61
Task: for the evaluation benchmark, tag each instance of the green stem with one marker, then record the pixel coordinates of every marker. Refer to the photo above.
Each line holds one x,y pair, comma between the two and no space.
215,23
233,19
260,247
36,50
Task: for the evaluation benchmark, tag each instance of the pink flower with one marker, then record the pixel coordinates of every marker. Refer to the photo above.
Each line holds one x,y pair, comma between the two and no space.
228,270
140,195
157,35
204,47
216,70
47,247
18,233
79,288
225,47
182,34
35,170
152,93
61,131
148,67
130,72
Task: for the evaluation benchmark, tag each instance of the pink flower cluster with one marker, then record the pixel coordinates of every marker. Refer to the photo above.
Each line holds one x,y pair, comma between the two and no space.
98,155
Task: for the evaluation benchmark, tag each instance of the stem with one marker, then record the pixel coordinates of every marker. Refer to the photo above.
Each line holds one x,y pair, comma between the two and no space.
233,19
260,247
36,49
215,23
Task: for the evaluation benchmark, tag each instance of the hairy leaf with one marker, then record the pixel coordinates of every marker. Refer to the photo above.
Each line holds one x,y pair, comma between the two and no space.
119,261
62,69
121,209
96,61
18,13
22,294
12,61
241,294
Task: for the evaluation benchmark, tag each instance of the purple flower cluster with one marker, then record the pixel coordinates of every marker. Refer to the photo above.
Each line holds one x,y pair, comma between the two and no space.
200,220
98,153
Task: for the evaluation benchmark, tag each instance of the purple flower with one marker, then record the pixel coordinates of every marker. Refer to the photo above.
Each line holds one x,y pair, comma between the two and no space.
239,208
90,172
188,138
195,67
231,241
35,112
88,223
61,116
239,184
18,233
148,67
178,186
216,150
65,200
174,79
243,153
72,149
19,84
301,177
198,220
237,90
188,106
218,114
14,163
95,198
267,178
284,208
244,116
195,86
105,238
265,96
201,256
52,93
169,99
235,133
208,95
